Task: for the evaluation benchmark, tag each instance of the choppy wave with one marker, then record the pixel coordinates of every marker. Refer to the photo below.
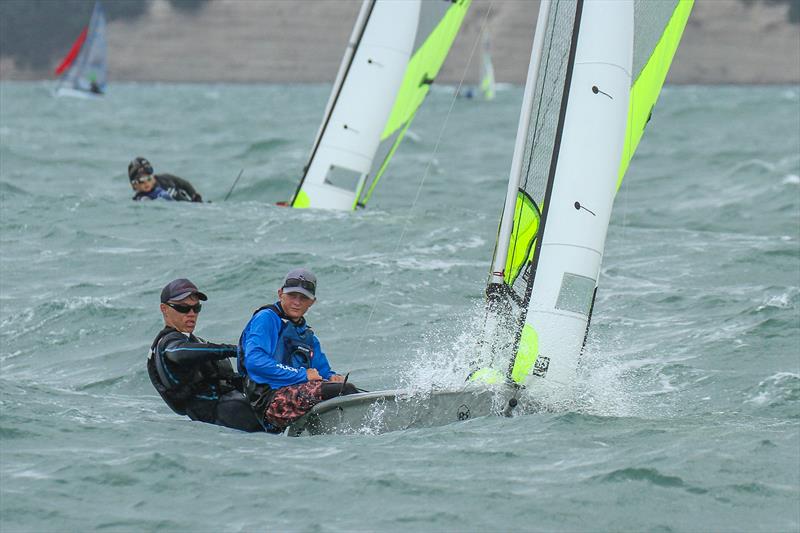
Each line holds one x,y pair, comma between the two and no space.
686,400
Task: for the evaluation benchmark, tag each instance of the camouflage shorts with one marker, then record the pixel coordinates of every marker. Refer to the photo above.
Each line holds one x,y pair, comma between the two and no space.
290,403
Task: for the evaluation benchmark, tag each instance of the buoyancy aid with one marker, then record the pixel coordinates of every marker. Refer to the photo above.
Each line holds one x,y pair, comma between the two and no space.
295,347
207,381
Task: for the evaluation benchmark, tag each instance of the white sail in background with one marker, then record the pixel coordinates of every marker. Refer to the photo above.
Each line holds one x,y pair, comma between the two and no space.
395,52
596,71
487,69
84,70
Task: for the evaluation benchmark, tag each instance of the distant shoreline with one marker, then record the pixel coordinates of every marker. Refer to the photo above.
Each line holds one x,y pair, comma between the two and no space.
726,42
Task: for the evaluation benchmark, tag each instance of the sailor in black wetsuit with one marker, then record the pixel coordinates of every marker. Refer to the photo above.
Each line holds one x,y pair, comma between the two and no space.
194,377
150,186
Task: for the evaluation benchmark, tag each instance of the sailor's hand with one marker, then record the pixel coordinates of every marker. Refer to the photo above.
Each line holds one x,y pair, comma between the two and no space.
336,378
312,374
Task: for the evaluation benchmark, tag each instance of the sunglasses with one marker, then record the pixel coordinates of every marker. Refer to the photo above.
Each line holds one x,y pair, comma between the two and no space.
142,179
307,285
183,309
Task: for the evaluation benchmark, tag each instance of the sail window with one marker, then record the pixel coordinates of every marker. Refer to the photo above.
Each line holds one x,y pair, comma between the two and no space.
575,294
341,177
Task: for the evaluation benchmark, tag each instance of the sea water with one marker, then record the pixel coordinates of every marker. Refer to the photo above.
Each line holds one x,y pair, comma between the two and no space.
687,410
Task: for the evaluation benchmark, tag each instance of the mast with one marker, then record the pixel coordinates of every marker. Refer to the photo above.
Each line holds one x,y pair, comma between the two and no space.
507,219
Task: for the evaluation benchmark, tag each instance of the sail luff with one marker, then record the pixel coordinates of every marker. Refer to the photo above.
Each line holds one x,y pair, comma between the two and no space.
347,61
515,174
73,52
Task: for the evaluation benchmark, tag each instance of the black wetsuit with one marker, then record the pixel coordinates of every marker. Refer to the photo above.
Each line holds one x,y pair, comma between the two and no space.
177,188
196,379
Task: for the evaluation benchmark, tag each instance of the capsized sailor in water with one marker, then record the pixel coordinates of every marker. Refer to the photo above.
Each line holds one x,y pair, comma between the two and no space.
151,186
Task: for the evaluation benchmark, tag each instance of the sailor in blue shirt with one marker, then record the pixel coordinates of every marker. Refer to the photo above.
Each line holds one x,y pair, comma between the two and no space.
287,373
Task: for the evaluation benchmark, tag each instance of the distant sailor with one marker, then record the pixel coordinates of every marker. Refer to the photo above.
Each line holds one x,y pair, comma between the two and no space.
150,186
94,87
286,372
194,377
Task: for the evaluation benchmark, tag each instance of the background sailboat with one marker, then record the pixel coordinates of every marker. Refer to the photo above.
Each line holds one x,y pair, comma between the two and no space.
83,71
394,54
488,87
595,74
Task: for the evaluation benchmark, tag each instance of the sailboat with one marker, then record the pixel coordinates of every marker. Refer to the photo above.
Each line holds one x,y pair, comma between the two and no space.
487,69
393,56
595,74
83,71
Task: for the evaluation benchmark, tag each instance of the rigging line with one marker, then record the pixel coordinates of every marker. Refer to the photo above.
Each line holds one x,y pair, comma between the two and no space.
233,186
432,157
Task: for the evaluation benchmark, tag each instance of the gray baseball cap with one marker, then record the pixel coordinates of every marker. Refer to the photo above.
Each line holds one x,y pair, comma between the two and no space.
300,280
179,289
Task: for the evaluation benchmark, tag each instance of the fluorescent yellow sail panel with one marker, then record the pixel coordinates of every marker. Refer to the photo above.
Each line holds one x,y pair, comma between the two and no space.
523,237
489,376
302,200
647,87
424,66
487,86
422,69
526,354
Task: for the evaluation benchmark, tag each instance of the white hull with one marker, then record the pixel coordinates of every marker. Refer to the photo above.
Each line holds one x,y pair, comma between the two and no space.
75,93
394,410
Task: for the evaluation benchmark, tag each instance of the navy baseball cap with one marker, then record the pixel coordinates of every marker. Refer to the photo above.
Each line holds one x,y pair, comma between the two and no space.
179,289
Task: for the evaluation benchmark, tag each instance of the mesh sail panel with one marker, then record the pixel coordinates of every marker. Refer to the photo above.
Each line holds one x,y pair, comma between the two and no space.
650,19
541,137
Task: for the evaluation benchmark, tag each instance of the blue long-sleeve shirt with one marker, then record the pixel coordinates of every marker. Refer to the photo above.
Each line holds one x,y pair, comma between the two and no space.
260,341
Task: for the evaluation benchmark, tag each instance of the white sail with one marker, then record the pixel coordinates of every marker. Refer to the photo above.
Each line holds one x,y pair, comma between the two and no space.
396,50
596,67
84,71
